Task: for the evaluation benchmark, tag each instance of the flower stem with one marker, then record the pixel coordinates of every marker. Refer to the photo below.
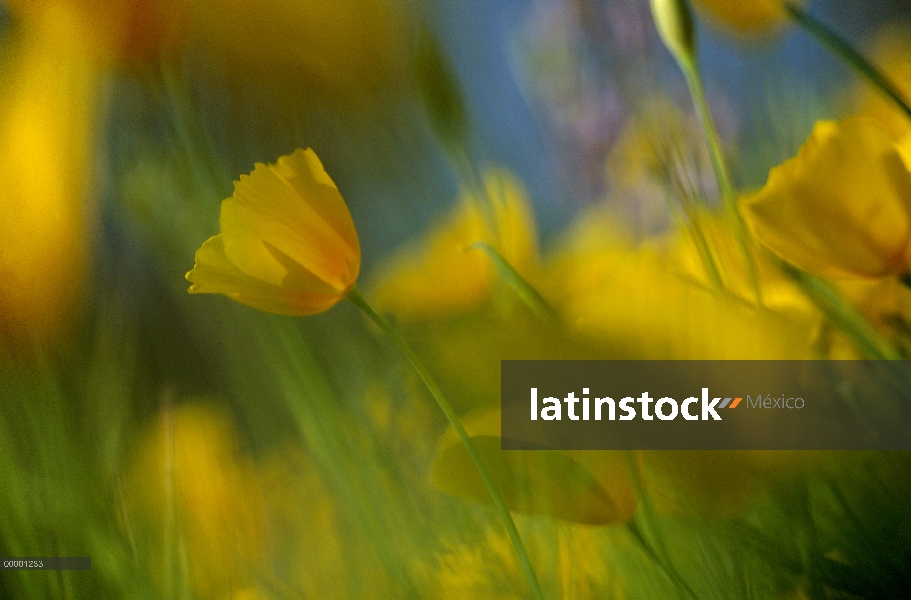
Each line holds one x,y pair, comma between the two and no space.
843,315
843,50
660,555
356,298
719,166
524,290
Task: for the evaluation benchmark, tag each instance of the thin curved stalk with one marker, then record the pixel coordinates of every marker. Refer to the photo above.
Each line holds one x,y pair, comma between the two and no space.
356,298
843,50
720,168
531,297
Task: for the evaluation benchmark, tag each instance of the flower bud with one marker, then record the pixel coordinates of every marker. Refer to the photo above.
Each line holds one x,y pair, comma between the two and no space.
674,21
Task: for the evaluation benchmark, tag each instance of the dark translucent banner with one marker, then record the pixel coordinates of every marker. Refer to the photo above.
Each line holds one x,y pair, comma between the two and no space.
709,405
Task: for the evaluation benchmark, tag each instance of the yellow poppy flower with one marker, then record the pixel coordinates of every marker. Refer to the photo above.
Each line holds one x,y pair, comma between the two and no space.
303,515
842,207
745,16
287,243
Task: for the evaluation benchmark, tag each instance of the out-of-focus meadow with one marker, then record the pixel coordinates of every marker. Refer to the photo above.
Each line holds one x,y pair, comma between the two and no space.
197,448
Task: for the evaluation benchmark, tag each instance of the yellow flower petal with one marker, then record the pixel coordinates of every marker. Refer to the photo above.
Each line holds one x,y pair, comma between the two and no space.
215,274
288,244
745,16
842,207
632,301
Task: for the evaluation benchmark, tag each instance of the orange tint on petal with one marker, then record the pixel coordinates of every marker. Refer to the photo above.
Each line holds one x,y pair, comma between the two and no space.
291,208
287,243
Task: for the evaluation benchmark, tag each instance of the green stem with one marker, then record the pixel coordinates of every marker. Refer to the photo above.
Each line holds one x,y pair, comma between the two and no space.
524,290
843,315
669,572
705,254
720,168
661,559
356,298
843,50
680,186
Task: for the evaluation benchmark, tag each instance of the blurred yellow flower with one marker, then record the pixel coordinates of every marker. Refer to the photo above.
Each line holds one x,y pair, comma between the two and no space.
570,559
658,162
779,293
350,48
746,16
310,556
189,468
120,32
344,45
287,243
47,120
441,275
658,138
842,207
633,302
